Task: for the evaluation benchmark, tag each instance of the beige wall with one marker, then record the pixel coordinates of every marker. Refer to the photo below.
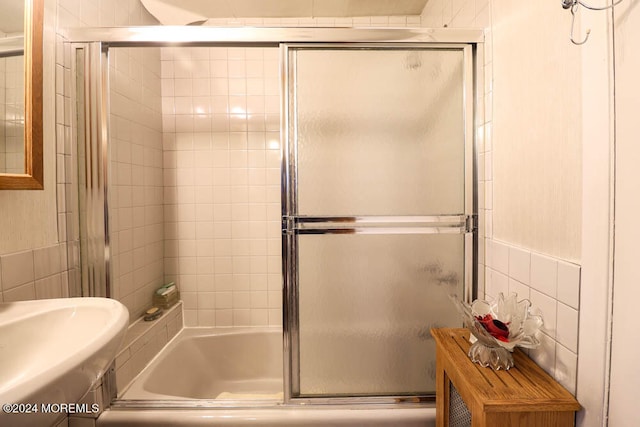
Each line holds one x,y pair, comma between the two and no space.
29,218
530,150
536,129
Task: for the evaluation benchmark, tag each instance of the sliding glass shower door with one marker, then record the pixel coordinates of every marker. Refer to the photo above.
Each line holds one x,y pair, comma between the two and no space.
377,213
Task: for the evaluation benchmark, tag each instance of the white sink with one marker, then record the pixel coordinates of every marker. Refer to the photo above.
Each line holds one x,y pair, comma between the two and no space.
53,351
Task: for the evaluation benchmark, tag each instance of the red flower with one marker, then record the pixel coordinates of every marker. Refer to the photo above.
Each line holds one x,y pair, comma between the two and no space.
495,327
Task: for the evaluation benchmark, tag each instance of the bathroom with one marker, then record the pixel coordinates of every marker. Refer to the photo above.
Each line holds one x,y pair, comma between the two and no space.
555,171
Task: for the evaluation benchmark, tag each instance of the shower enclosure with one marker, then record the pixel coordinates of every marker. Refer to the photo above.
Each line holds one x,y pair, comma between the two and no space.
375,213
378,204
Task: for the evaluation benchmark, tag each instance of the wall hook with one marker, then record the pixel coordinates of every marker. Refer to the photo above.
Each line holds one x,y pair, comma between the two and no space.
573,5
574,8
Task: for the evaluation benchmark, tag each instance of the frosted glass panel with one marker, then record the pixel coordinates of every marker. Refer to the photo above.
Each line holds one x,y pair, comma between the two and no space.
366,303
379,132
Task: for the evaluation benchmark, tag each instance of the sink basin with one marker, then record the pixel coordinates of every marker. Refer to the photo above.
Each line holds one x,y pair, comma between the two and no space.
53,351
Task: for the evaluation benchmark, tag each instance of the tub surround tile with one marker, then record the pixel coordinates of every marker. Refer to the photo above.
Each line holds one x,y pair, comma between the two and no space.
222,183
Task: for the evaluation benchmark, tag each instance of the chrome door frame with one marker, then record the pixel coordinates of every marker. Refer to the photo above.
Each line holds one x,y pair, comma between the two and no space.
294,225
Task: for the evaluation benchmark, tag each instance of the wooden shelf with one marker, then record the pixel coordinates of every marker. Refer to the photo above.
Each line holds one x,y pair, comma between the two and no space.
523,396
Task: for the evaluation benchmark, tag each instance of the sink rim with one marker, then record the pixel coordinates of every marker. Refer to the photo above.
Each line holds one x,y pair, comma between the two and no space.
107,338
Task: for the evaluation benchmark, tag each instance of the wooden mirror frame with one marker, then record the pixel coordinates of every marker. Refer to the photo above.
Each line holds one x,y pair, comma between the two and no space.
33,178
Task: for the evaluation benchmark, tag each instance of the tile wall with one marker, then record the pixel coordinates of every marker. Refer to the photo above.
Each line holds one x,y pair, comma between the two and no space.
553,287
221,118
34,274
12,114
136,187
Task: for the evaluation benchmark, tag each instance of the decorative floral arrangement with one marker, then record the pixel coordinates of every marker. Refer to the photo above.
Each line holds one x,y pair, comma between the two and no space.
499,327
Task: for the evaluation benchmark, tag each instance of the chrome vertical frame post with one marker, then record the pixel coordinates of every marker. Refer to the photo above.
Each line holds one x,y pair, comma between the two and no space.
90,133
470,176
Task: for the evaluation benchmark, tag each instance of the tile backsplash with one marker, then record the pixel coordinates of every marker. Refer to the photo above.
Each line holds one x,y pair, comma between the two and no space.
34,274
552,286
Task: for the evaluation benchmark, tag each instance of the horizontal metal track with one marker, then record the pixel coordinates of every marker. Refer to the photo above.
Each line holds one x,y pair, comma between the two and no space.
192,35
380,230
300,219
435,224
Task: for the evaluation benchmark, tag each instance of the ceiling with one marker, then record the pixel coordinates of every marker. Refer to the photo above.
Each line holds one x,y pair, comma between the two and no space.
181,12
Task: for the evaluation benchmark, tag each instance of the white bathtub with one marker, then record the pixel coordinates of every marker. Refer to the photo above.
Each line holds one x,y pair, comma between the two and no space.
222,377
214,363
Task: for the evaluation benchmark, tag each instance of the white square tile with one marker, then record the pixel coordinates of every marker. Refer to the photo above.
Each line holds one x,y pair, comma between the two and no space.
566,368
17,269
520,265
190,317
546,307
241,317
567,327
488,195
496,283
275,317
224,300
47,261
499,256
206,317
206,300
224,318
544,274
50,287
519,288
568,290
260,317
259,299
545,354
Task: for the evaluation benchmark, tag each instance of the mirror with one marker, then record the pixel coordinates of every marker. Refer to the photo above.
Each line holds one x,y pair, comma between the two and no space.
21,68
